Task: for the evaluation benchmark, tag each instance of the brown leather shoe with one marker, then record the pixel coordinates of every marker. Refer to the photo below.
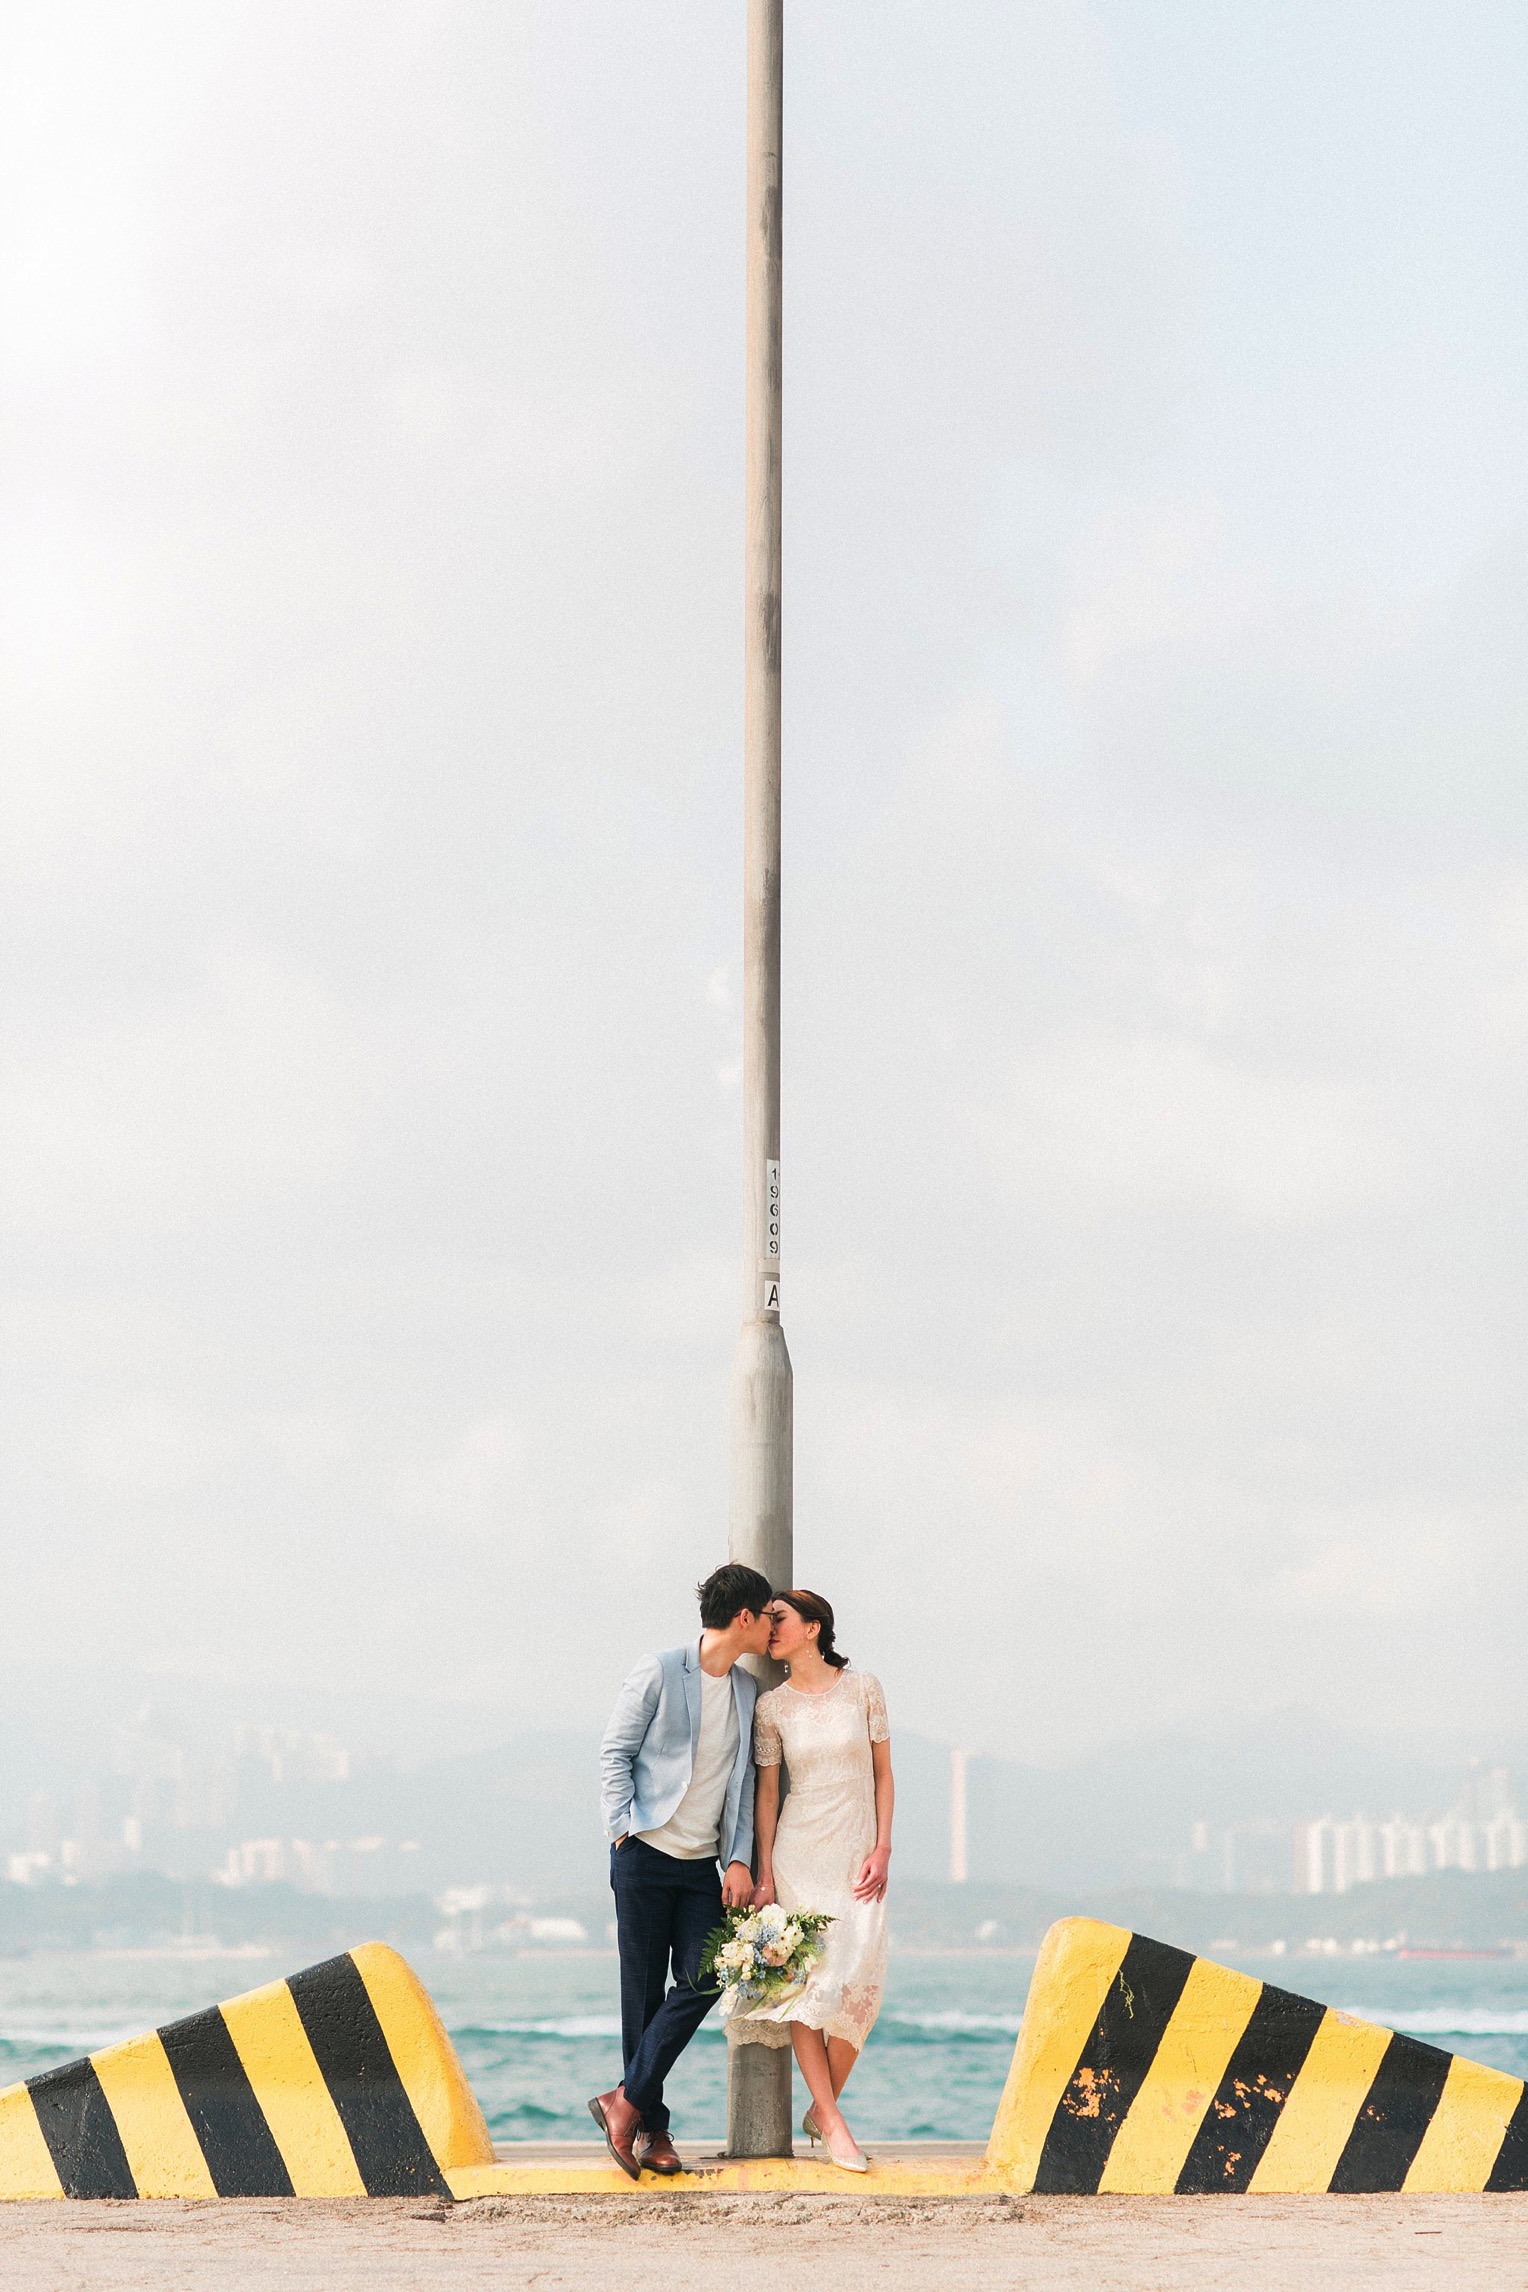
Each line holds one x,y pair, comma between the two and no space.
620,2124
657,2153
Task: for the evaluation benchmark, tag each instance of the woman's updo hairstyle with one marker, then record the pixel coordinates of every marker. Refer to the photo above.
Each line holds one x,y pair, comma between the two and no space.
814,1609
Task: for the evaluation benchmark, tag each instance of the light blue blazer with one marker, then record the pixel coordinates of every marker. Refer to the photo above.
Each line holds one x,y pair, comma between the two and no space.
648,1754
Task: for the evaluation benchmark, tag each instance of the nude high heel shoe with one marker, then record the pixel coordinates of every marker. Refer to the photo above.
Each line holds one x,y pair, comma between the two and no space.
858,2163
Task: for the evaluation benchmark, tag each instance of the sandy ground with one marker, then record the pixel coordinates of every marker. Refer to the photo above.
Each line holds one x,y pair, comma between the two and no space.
1106,2244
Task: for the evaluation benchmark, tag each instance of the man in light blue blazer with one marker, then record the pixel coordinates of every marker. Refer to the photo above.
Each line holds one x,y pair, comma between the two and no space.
676,1793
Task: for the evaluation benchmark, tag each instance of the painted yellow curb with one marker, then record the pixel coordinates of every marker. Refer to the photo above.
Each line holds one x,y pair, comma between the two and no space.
959,2177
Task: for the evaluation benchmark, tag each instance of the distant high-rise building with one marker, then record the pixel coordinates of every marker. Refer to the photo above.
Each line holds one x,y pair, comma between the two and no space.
1506,1841
1315,1857
959,1841
1403,1848
1357,1853
1482,1832
1455,1843
43,1828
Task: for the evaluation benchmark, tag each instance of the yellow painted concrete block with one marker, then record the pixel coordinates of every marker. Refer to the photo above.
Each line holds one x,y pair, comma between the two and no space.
1153,2143
1142,2069
26,2168
1318,2118
1464,2140
163,2154
289,2087
1078,1962
339,2081
433,2077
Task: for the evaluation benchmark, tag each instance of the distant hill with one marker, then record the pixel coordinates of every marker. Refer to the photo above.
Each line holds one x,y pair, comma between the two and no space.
523,1812
1124,1813
1448,1909
527,1814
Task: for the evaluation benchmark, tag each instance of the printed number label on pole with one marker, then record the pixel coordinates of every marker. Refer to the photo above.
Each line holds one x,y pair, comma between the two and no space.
772,1211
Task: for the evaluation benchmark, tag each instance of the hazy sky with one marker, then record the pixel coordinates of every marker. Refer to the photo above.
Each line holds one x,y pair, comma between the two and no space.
1157,846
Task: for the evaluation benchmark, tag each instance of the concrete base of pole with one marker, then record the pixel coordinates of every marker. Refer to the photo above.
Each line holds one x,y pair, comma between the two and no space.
759,2076
759,2101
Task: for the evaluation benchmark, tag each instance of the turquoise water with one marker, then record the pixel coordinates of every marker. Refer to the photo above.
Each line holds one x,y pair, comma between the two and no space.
933,2068
539,2033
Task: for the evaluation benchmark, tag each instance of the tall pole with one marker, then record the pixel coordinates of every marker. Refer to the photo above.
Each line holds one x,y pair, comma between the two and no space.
759,2076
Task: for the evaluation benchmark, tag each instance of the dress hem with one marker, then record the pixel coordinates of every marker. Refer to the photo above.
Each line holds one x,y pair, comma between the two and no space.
778,2033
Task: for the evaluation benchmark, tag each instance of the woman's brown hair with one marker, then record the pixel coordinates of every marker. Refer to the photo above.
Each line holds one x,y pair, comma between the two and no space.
814,1609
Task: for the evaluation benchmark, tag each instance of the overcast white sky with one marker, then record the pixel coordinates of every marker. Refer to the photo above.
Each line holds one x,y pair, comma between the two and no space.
1157,846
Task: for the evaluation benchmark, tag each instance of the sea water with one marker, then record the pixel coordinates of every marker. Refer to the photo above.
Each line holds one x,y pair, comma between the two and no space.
539,2032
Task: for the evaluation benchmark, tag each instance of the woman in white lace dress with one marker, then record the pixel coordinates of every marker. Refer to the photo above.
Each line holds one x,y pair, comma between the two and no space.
828,1848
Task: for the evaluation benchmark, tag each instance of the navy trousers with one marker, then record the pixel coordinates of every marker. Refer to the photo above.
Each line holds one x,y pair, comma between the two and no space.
664,1909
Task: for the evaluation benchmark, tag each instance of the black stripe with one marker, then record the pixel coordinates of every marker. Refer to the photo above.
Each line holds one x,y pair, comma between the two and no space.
1239,2124
1510,2170
228,2121
1121,2047
391,2153
1388,2132
81,2132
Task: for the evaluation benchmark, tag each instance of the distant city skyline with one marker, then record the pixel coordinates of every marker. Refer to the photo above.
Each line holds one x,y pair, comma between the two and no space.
252,1803
1481,1830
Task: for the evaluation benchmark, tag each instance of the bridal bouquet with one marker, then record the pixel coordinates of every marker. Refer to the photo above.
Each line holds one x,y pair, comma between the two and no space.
762,1957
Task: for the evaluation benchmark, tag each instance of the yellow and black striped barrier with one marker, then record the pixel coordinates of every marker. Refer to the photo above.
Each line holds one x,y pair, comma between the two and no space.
1143,2070
1140,2069
338,2082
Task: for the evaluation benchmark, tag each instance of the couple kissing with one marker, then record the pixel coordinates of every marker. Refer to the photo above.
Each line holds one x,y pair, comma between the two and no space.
690,1794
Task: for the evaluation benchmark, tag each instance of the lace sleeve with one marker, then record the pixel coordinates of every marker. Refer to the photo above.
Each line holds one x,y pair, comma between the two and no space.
766,1734
875,1709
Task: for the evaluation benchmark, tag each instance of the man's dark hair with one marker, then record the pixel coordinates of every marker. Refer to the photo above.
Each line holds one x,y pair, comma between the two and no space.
727,1591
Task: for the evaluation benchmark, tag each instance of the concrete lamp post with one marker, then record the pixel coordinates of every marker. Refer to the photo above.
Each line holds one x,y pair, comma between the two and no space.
759,2076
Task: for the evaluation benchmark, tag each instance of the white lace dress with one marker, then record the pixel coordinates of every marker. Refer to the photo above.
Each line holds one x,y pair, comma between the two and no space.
827,1827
